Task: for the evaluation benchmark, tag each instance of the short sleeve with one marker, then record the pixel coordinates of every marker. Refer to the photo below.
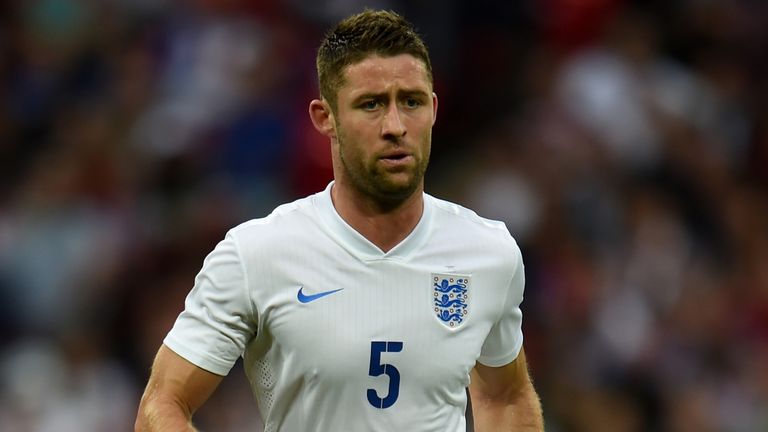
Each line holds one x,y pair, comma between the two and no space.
504,341
218,319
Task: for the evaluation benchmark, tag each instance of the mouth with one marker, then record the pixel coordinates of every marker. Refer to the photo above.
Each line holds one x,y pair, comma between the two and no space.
396,160
395,156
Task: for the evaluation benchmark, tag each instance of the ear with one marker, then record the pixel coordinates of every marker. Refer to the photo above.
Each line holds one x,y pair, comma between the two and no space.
434,108
322,117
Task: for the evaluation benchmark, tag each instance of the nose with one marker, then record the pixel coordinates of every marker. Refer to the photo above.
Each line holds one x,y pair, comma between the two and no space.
392,126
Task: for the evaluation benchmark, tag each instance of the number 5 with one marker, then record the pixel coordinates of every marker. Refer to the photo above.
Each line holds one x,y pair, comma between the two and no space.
377,369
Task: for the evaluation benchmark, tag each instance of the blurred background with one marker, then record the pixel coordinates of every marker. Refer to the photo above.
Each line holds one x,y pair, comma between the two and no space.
625,144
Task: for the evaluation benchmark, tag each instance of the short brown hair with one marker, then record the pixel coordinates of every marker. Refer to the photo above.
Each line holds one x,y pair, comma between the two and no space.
383,33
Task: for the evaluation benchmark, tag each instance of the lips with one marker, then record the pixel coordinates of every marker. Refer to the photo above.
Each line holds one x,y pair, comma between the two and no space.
396,160
395,156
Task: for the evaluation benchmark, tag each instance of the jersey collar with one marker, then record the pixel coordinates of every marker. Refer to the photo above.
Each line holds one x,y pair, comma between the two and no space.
360,246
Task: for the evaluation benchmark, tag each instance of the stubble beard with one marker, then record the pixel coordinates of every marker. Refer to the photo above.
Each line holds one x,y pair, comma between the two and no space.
373,181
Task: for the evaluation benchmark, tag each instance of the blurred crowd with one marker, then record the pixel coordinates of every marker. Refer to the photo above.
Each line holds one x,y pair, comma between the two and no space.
625,145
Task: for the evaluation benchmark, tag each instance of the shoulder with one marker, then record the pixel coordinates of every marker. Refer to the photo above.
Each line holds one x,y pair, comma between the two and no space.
459,214
284,221
465,225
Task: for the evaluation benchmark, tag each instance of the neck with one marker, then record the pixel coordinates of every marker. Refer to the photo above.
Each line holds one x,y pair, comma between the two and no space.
383,224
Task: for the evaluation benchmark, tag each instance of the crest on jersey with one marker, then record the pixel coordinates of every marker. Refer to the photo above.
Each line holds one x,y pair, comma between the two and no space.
450,298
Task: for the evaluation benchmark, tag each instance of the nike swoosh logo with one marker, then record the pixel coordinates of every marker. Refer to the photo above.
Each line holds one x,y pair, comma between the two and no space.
306,298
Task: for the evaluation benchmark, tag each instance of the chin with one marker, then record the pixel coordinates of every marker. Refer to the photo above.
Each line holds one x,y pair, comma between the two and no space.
396,190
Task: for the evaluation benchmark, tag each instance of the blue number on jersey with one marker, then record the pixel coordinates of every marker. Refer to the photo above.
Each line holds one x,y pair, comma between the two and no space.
376,369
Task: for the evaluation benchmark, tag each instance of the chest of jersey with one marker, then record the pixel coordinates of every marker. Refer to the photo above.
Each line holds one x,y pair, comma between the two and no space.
382,329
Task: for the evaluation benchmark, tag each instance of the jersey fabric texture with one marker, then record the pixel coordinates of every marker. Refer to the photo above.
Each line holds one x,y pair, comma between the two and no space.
337,335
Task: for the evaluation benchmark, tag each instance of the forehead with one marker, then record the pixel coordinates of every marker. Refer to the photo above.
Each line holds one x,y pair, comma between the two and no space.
379,74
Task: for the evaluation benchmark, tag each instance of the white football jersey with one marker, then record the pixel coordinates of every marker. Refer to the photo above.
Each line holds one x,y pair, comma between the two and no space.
337,335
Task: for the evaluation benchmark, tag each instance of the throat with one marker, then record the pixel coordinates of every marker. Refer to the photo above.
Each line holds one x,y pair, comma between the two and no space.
385,235
385,225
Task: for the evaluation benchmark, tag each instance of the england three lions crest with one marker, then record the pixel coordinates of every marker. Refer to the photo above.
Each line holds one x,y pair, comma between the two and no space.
450,298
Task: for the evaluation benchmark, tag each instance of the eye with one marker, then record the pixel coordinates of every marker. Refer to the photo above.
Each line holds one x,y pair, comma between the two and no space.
370,105
412,102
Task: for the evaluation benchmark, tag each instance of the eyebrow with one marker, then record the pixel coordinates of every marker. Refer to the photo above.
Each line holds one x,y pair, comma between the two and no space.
383,95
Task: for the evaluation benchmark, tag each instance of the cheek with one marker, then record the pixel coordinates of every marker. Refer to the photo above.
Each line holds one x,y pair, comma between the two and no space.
422,130
421,121
351,147
357,137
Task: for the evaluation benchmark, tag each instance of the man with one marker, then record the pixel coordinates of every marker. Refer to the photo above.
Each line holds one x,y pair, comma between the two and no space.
370,305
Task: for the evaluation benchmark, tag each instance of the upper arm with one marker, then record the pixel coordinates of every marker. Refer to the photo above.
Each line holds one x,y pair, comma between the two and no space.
504,341
503,398
218,319
500,382
176,384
